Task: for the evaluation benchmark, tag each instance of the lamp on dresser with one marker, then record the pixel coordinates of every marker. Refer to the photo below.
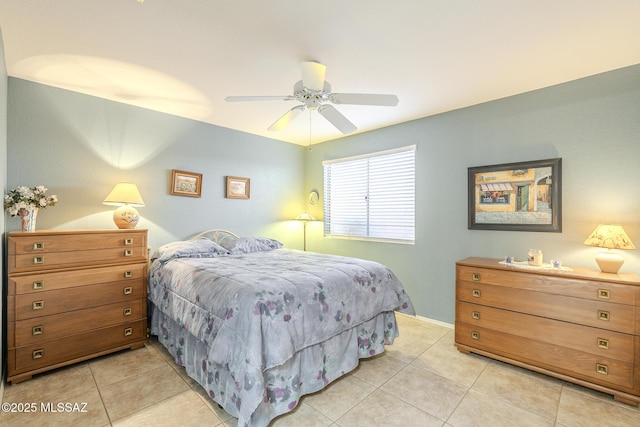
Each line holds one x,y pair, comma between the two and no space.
126,196
610,237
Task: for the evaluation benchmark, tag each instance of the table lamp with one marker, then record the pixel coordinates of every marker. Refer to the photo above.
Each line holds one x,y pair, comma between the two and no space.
610,237
126,196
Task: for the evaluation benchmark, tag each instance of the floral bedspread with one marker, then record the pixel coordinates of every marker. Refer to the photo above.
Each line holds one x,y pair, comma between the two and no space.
254,312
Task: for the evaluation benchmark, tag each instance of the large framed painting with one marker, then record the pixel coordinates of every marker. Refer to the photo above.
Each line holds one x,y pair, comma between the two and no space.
523,196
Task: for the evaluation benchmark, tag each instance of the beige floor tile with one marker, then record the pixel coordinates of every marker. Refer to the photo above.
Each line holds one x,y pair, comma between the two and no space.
444,359
141,391
415,338
381,409
480,410
303,415
84,408
57,385
377,370
184,409
584,410
340,396
432,393
127,363
522,388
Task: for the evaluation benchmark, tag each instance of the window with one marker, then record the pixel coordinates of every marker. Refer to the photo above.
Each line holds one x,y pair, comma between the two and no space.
371,196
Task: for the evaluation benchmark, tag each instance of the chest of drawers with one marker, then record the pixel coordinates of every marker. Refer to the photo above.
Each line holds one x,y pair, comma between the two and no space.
581,326
73,295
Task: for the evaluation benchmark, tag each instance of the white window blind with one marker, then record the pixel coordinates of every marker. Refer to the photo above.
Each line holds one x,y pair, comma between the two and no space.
371,196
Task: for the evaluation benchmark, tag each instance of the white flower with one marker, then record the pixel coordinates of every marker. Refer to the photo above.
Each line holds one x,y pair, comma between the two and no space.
24,198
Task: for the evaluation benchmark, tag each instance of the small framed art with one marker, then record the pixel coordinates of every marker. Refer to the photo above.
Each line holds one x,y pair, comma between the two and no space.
523,196
186,183
238,188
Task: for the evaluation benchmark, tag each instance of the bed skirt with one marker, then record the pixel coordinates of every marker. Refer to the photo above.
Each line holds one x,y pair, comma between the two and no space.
308,371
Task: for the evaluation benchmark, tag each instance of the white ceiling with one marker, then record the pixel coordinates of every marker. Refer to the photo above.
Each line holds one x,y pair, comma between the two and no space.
185,56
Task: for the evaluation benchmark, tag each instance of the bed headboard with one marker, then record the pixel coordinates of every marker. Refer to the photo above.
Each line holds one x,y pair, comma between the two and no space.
217,235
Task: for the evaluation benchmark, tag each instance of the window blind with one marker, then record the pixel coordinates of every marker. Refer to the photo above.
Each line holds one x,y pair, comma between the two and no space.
371,196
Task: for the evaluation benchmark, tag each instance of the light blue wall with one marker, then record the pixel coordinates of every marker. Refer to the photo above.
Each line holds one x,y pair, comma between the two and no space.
593,124
80,146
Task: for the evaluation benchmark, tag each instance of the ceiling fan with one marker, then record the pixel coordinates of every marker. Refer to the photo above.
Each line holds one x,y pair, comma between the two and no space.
314,92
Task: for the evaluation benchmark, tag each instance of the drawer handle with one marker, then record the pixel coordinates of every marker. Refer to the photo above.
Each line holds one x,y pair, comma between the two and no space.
128,290
603,343
37,330
38,305
38,259
128,241
38,246
603,293
128,331
475,335
475,293
127,311
475,315
38,284
603,315
128,252
37,354
128,274
475,277
602,369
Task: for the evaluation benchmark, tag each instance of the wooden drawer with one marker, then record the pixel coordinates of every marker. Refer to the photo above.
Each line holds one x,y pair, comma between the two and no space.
39,282
51,260
46,303
56,326
574,363
599,314
557,284
49,353
60,248
600,342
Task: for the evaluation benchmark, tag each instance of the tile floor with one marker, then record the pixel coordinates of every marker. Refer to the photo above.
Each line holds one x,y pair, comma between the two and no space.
422,380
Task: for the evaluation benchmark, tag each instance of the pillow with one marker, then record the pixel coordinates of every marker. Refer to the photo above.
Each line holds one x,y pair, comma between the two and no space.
245,245
200,248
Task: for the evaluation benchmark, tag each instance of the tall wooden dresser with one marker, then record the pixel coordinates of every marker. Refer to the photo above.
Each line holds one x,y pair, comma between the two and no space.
581,326
73,295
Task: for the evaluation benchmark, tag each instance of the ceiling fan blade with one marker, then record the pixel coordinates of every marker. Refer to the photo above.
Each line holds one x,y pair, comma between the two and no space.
364,99
287,118
259,98
336,118
313,75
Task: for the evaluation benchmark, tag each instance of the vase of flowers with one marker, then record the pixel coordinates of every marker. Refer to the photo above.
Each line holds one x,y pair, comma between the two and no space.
25,203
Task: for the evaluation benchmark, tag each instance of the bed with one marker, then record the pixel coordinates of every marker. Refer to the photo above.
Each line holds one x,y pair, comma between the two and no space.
258,325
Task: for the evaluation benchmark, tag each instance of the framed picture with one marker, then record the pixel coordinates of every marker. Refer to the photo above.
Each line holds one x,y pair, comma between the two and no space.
238,188
524,196
186,183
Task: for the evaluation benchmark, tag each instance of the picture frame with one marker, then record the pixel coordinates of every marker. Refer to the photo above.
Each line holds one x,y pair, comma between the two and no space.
238,187
522,196
185,183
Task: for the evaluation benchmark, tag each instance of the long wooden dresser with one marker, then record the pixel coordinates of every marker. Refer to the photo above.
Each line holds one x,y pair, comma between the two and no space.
73,295
581,326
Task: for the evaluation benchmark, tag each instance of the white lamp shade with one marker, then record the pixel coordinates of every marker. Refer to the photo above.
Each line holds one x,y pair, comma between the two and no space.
124,193
305,217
